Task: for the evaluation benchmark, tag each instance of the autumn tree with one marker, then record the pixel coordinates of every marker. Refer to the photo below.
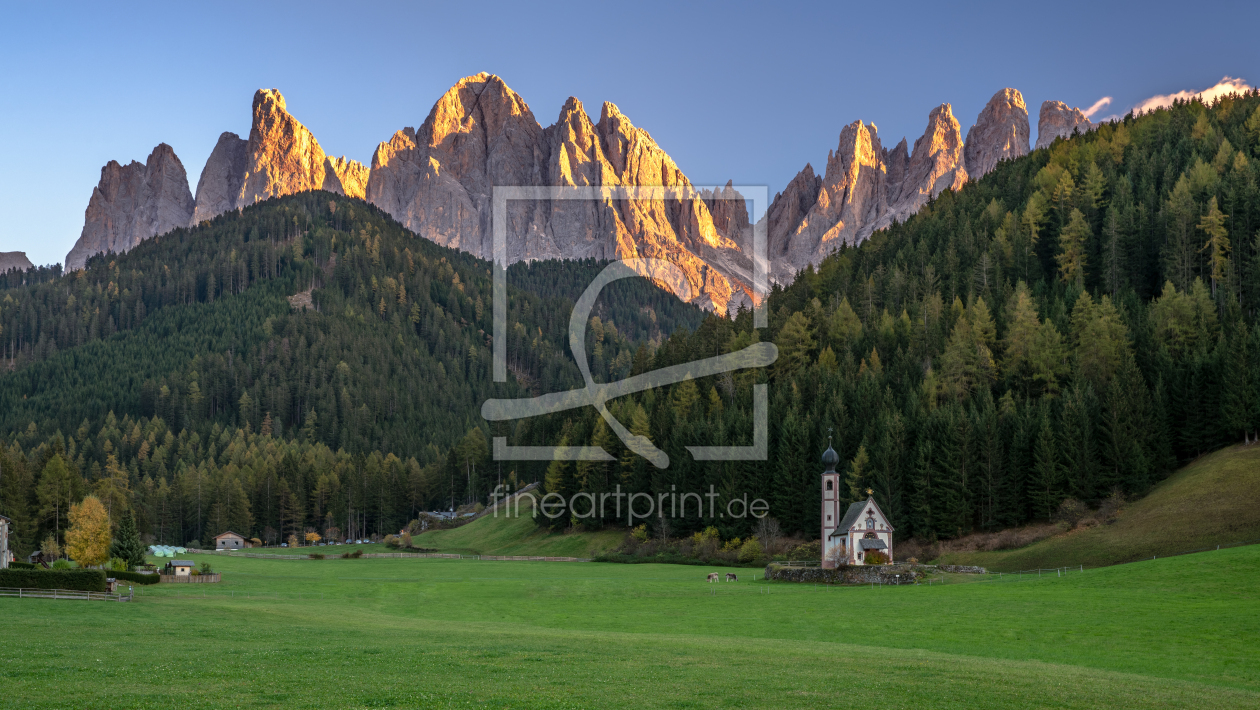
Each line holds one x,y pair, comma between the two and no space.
87,540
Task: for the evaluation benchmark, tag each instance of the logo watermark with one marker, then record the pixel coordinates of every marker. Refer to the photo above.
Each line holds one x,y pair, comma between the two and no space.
596,394
638,506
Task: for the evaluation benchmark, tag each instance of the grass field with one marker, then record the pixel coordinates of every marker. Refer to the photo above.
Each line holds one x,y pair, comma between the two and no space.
1210,502
502,535
378,633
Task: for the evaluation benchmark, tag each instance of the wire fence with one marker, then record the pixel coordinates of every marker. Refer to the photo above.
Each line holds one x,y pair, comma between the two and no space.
396,555
25,593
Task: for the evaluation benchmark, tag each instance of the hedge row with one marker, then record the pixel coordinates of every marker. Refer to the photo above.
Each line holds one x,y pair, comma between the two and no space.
82,580
136,577
671,560
22,565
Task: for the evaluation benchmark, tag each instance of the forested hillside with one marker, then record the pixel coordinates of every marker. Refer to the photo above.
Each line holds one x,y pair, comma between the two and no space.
1073,324
142,368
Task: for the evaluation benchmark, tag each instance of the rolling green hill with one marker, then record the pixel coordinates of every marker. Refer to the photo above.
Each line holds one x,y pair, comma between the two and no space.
1209,502
491,535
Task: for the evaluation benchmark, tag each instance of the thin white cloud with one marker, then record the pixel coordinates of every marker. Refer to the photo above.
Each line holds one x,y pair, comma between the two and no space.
1223,87
1098,106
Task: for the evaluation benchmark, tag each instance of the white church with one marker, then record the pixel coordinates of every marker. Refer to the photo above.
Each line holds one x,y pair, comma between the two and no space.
862,528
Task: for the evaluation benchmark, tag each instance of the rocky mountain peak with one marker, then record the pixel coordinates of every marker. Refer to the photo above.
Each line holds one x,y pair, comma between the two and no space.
1058,120
132,203
864,188
10,260
345,177
284,156
1000,133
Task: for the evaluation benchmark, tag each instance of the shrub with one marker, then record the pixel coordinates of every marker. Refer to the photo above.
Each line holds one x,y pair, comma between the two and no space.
116,564
317,556
136,577
750,550
352,555
83,580
205,568
392,541
1071,511
806,551
640,533
875,557
62,564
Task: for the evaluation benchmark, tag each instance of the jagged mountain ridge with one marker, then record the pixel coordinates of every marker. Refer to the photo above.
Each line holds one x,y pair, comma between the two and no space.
438,181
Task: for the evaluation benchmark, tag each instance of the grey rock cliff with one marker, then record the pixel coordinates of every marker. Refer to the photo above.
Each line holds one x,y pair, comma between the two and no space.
10,260
221,178
133,203
1000,133
1058,120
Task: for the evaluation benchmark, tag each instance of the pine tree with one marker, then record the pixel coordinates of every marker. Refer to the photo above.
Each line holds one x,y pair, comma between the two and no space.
1217,246
1073,241
1045,486
126,544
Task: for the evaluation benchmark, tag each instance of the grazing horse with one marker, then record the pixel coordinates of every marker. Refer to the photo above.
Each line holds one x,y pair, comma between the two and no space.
731,578
713,576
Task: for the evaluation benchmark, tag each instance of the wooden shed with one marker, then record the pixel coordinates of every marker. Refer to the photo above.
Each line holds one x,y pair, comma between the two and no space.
230,541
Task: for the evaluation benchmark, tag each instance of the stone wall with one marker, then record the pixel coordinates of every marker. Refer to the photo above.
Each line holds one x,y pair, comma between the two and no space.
962,569
847,574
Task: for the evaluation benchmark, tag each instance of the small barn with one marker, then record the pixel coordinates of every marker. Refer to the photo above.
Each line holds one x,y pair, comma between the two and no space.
182,568
5,556
230,541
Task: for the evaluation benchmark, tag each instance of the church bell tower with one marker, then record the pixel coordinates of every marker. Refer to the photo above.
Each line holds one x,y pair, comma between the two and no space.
830,503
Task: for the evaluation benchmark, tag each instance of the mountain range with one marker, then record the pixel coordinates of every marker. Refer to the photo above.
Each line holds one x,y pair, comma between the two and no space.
438,180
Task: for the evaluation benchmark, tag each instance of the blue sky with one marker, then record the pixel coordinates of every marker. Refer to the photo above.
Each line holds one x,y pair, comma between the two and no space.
742,91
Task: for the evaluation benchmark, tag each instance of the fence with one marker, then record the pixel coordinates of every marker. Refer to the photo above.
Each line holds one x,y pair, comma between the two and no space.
191,578
410,555
24,593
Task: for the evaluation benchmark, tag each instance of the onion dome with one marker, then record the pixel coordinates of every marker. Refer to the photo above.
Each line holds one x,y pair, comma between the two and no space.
829,459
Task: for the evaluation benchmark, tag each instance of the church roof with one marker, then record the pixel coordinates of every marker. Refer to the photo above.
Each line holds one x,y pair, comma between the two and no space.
851,516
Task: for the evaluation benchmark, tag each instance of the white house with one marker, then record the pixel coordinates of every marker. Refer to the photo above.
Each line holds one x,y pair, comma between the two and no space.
848,536
183,568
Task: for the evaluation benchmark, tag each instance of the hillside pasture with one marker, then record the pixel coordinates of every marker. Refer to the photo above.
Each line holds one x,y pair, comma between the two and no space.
1210,502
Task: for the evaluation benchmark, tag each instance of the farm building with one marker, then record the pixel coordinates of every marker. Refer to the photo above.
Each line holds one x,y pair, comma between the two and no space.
182,568
859,536
230,541
5,556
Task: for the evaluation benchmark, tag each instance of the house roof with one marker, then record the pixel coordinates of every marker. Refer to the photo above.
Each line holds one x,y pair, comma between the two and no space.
229,532
182,563
873,545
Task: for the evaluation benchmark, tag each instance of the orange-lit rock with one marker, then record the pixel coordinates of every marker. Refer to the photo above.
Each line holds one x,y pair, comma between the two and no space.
345,177
439,181
864,188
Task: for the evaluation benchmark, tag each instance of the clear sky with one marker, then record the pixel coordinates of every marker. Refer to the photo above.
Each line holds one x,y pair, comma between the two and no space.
742,91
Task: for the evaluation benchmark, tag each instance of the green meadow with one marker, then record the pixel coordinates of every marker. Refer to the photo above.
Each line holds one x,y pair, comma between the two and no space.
401,633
